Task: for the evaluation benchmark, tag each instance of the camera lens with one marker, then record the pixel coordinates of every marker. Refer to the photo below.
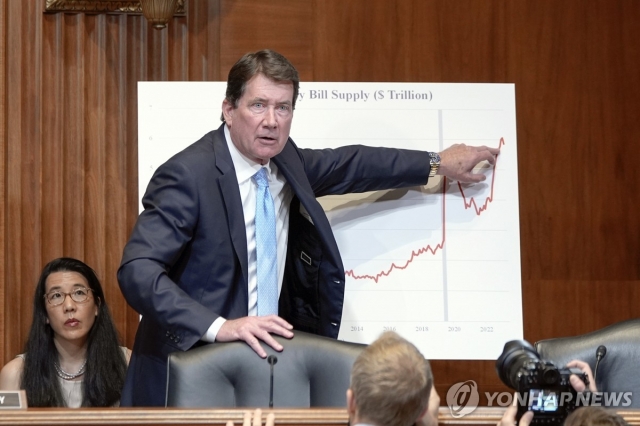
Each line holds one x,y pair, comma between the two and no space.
514,355
551,376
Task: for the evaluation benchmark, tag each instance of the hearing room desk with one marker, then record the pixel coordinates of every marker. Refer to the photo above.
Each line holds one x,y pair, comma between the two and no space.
483,416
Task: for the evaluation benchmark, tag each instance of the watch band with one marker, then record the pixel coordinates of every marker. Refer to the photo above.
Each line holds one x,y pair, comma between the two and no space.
434,163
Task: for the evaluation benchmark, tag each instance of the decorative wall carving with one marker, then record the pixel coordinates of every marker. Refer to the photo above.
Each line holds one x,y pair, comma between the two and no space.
101,6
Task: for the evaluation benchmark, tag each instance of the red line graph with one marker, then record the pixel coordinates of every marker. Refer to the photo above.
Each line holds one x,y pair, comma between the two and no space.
440,245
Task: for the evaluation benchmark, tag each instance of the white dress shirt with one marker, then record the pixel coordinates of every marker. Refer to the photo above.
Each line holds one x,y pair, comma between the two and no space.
282,194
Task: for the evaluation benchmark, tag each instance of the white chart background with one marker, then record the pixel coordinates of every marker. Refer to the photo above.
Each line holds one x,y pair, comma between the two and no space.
438,264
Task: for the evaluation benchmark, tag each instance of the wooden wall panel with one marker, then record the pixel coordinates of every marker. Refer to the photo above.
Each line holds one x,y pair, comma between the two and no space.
3,149
22,161
574,68
68,130
131,33
430,41
593,304
282,25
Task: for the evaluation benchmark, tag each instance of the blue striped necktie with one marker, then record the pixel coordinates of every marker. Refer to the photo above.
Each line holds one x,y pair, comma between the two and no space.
266,247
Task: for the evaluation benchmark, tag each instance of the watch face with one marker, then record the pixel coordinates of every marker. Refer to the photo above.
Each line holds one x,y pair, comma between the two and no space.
434,157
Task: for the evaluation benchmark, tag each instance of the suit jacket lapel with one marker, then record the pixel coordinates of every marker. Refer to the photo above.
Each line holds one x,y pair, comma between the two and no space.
228,183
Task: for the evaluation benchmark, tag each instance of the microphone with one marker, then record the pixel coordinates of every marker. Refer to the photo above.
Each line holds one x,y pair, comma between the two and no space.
600,353
273,360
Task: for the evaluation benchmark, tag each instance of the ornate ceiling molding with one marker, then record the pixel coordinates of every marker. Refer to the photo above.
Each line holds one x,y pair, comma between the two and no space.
101,6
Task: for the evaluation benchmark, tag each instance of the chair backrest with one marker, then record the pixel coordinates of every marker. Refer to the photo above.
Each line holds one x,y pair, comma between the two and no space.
619,370
311,371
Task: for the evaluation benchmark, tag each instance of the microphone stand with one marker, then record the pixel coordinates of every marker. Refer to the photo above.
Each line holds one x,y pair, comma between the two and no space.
272,360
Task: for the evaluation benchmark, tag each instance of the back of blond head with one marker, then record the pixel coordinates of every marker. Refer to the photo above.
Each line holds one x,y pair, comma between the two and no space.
595,416
391,382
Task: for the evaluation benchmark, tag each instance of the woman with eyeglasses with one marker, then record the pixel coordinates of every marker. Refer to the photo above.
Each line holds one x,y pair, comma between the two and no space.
72,357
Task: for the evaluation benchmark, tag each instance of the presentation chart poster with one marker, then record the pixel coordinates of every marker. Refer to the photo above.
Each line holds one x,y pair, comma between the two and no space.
439,264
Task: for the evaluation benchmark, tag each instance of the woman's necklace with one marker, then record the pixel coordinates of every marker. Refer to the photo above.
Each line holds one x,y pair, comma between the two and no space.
68,376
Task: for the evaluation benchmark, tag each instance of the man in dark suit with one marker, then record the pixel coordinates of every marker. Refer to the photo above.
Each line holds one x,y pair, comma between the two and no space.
190,265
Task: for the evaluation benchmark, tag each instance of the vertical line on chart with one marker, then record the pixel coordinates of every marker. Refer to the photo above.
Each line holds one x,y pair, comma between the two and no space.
445,295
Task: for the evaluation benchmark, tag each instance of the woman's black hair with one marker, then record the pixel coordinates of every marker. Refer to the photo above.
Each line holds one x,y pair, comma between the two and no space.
106,363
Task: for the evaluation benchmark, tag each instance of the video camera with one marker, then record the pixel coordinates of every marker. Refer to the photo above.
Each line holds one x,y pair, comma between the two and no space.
542,387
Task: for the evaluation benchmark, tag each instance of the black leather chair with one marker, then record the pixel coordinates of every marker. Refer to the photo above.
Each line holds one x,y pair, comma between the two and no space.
311,371
619,369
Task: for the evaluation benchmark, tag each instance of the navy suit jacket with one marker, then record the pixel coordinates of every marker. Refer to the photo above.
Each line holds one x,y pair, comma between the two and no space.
186,261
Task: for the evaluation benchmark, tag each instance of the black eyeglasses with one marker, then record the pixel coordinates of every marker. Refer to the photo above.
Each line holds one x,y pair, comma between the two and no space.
78,295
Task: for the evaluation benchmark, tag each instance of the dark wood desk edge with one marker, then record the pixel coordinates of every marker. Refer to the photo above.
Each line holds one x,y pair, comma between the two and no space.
482,416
